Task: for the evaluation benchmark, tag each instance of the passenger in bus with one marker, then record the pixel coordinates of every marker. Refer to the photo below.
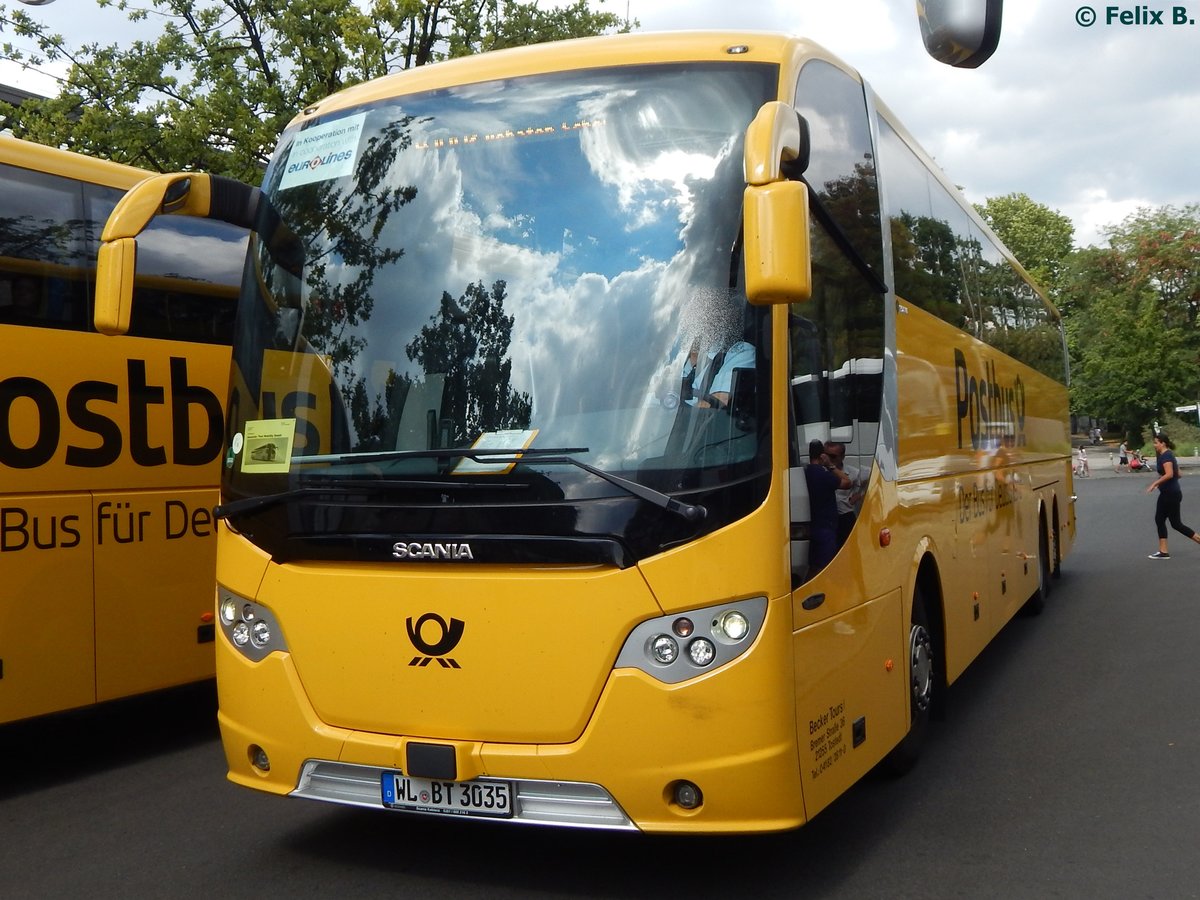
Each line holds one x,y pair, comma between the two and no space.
824,479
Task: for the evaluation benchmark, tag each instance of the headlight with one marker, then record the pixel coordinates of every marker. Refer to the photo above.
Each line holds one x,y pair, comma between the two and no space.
733,625
711,636
228,610
249,626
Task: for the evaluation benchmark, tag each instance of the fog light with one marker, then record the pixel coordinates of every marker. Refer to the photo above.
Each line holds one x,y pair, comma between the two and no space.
259,758
241,634
260,633
733,625
664,649
701,651
687,795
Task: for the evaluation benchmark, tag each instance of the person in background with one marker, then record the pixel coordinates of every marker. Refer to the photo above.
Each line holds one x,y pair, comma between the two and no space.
849,498
824,480
1170,497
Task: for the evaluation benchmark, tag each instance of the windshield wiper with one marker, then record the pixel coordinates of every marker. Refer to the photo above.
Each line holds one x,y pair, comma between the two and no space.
690,512
473,453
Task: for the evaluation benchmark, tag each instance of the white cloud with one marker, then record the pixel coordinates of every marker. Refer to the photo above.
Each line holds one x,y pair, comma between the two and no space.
1063,113
1093,122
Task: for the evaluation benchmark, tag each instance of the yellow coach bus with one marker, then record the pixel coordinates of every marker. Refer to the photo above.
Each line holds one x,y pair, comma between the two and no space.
531,351
109,448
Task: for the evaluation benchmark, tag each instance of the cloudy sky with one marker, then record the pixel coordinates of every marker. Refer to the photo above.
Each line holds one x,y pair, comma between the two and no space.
1094,122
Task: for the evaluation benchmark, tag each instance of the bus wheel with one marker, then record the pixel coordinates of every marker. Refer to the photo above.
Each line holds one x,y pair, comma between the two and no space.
922,675
1037,602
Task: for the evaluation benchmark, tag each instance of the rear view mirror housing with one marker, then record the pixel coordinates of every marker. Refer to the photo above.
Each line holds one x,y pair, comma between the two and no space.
775,212
960,33
115,269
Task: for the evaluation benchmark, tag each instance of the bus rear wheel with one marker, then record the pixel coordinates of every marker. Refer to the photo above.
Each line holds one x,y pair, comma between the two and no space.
922,679
1037,602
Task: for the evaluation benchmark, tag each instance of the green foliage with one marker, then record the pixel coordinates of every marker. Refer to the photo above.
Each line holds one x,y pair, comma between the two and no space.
213,90
1040,238
1131,328
1184,434
1159,251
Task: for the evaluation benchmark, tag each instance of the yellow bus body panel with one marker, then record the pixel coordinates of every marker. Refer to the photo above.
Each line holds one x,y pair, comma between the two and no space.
107,570
46,604
976,508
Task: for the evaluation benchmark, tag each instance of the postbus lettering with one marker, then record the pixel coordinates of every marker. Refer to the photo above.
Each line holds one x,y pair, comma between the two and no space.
84,406
987,409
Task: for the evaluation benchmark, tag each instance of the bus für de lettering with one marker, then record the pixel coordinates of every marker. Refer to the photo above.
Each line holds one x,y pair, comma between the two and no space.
117,522
94,408
988,409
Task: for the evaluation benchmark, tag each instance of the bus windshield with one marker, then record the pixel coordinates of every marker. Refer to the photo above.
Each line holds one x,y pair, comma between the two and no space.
417,284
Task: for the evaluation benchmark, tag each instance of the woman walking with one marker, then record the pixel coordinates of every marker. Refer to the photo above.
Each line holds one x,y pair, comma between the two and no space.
1170,497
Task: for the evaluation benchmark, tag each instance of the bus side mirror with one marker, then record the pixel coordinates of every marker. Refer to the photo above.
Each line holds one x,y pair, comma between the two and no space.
960,33
115,268
775,210
116,263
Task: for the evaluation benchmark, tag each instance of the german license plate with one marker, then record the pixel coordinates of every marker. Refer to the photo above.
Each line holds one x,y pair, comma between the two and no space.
448,798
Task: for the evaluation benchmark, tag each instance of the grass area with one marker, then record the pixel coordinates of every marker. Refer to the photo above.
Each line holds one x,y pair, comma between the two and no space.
1185,435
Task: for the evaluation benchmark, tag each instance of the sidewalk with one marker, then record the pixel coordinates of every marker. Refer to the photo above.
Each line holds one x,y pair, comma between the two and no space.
1103,464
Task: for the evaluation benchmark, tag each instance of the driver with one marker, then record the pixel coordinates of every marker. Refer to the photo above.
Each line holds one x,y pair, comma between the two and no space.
717,349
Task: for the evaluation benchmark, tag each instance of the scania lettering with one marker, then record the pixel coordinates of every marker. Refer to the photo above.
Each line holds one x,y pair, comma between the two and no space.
110,450
431,551
595,349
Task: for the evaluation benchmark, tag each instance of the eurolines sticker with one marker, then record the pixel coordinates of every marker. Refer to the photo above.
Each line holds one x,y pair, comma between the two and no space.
323,152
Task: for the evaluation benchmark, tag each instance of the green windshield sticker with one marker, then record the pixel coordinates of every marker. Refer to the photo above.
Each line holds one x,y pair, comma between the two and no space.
268,446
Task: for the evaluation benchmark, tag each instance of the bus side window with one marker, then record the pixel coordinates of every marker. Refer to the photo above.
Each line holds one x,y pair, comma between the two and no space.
43,261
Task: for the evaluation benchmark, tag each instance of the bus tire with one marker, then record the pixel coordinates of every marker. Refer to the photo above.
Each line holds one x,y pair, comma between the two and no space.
923,688
1035,604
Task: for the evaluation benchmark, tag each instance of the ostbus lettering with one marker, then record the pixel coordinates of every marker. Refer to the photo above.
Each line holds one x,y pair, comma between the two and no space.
81,412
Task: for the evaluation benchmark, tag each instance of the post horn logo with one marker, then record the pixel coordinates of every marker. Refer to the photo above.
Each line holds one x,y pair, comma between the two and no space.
448,638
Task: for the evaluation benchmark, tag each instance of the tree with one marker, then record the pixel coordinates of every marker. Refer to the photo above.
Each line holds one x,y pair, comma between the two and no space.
1159,250
214,89
1132,330
1040,238
466,342
1121,351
